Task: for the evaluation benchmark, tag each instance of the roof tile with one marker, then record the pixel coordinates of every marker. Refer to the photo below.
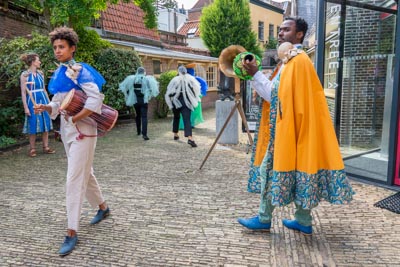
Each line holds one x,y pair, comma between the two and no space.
127,18
190,25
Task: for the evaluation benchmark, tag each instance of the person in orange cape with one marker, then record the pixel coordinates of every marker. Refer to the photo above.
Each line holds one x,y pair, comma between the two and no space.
302,161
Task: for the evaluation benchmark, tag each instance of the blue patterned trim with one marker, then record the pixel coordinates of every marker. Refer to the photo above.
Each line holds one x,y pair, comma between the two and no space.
254,183
308,190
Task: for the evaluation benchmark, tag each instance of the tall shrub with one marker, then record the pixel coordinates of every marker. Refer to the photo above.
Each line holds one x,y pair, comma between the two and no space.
165,78
11,108
11,119
90,46
10,64
236,30
115,64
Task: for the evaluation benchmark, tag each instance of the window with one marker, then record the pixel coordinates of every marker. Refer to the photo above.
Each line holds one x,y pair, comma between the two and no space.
271,31
191,32
261,30
277,32
211,76
156,67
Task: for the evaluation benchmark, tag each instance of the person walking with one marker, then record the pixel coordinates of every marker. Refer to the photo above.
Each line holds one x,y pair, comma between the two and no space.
79,148
138,89
196,116
183,96
33,92
302,163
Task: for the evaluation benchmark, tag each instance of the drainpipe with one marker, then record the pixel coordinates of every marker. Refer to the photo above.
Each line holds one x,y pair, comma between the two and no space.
320,43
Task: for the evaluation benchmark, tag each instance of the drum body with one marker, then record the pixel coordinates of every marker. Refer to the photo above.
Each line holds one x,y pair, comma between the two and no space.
75,101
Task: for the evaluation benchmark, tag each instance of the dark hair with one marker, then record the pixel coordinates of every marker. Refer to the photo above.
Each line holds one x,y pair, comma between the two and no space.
64,33
29,58
301,25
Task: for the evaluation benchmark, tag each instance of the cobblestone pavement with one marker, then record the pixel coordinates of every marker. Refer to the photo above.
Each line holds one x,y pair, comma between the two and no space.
166,212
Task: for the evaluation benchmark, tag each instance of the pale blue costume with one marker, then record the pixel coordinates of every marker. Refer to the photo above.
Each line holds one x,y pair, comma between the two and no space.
149,87
138,89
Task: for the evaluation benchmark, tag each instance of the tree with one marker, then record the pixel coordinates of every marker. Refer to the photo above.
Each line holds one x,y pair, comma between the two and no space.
78,13
170,4
227,22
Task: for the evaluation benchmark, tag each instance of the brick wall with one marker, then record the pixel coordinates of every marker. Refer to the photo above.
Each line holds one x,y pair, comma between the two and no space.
15,21
364,78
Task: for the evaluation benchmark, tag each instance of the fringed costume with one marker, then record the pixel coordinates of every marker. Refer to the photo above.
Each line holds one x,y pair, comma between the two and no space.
197,115
183,96
138,89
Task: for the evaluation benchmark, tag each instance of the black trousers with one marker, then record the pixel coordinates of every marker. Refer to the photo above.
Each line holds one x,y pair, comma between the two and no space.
141,117
186,112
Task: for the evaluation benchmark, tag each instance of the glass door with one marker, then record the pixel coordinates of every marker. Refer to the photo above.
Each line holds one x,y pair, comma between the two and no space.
359,60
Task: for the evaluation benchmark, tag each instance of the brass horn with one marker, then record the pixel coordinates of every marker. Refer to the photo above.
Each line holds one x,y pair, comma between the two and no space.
226,58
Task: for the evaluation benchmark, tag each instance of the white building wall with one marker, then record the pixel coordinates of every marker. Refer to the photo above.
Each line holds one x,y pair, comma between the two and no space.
169,20
196,43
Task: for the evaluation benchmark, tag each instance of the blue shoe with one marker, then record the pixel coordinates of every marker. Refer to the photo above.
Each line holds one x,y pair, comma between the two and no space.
294,225
68,245
101,214
254,224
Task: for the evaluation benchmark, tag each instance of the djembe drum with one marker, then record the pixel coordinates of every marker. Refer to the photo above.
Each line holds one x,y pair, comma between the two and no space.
74,102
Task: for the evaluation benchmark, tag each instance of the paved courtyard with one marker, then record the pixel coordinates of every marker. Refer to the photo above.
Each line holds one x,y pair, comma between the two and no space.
167,212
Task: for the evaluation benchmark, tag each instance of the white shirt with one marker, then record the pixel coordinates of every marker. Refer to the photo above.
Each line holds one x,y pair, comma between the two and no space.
263,85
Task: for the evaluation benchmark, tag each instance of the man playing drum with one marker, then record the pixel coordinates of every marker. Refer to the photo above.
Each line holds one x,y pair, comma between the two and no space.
81,181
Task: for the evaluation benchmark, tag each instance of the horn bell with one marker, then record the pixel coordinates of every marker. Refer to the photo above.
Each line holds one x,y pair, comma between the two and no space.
226,58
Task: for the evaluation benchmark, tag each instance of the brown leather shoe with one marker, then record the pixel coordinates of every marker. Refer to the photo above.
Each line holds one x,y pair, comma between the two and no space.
32,153
48,150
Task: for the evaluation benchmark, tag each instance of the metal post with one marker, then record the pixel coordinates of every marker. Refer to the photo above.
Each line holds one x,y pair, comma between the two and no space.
320,51
395,102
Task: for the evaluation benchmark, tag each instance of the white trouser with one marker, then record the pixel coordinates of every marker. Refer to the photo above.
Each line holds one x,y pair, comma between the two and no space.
81,181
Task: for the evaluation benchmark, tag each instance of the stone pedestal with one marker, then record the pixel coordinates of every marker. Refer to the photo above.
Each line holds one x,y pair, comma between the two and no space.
230,134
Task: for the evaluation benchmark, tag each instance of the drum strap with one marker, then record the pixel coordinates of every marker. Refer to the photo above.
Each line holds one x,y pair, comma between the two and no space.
82,135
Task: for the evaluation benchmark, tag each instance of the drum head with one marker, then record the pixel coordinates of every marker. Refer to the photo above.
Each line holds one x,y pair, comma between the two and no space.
67,100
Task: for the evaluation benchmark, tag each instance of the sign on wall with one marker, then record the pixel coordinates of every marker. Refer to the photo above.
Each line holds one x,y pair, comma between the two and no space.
251,106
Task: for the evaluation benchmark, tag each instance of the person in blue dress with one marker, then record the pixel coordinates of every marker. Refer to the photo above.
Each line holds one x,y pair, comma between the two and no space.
33,92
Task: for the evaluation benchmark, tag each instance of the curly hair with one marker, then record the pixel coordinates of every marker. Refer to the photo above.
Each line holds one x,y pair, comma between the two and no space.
29,58
301,25
64,33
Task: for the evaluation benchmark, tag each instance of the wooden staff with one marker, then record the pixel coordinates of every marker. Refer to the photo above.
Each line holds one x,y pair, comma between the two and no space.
30,93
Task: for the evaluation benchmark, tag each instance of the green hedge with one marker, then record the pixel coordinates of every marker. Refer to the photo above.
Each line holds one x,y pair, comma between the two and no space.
165,78
115,64
11,108
90,46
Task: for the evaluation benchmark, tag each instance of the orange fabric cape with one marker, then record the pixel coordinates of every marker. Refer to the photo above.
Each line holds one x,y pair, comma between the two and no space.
305,139
263,128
